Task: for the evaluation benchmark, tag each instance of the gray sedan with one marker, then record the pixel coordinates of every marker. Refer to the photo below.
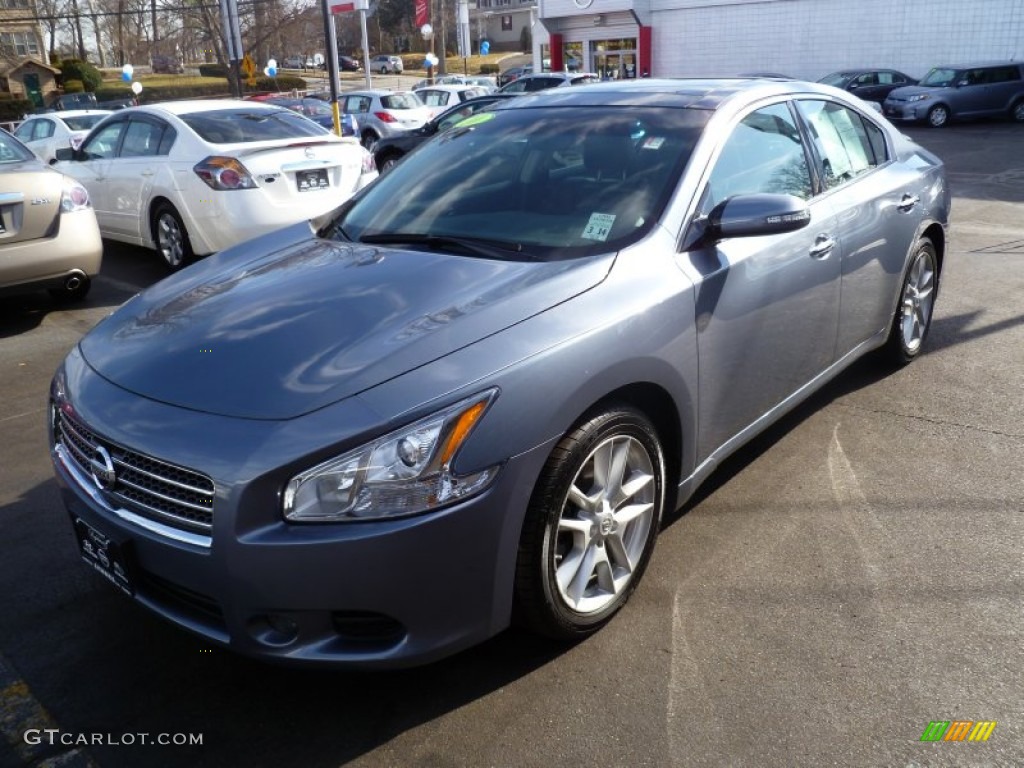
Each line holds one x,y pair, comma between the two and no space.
473,391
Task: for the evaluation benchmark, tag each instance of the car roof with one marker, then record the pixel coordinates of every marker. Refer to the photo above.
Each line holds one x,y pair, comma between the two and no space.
72,113
710,93
450,87
190,106
978,65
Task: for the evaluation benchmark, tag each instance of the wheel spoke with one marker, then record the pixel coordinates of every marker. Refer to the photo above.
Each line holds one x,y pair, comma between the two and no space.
631,512
617,552
636,483
580,500
614,491
603,570
577,585
575,526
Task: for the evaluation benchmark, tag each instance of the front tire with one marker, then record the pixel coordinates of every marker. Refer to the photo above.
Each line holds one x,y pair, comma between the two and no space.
171,237
913,318
938,116
591,525
1017,111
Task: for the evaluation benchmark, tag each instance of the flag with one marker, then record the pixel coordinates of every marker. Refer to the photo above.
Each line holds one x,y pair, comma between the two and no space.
422,12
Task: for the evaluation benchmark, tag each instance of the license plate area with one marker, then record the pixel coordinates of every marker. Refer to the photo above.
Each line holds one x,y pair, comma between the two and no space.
106,556
308,181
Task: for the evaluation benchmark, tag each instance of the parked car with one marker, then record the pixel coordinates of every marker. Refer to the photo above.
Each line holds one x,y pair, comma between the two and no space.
318,111
868,84
512,74
442,80
961,91
48,234
438,98
194,177
294,62
349,64
484,81
167,65
473,391
390,150
385,64
47,132
540,82
382,113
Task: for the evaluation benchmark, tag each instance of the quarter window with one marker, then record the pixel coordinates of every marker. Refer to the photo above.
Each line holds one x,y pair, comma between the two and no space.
847,145
764,153
104,144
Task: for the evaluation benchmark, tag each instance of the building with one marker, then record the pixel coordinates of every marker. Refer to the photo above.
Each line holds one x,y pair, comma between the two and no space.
801,38
24,72
501,23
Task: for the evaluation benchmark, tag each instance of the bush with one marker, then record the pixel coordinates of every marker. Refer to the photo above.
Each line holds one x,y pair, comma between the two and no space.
489,69
74,86
86,73
279,83
15,109
213,70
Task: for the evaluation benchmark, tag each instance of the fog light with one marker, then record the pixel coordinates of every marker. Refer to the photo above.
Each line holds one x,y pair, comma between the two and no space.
274,629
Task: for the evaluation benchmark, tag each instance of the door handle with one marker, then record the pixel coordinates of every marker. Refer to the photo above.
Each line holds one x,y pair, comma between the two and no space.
907,203
823,245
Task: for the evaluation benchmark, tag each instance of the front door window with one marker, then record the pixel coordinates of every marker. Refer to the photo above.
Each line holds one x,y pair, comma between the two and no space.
614,59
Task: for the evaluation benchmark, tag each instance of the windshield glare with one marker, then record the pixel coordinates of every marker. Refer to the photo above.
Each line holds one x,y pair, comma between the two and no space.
942,78
556,182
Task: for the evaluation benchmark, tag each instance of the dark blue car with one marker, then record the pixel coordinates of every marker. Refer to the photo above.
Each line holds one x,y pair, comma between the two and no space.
319,112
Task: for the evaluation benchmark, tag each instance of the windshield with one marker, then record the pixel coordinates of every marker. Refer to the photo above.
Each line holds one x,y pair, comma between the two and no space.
83,122
942,78
244,125
836,79
517,178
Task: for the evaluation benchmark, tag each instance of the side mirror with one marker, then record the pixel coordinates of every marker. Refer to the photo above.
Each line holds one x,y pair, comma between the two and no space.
854,86
961,83
757,215
64,153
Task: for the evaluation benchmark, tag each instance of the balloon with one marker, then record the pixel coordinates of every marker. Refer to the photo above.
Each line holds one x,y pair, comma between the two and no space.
426,30
136,88
430,60
127,69
271,71
126,76
485,47
271,63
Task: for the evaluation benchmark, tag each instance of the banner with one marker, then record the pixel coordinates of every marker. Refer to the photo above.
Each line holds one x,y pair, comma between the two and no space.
422,12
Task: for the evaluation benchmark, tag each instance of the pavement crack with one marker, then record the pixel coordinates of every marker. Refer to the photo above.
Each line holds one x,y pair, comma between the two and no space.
932,420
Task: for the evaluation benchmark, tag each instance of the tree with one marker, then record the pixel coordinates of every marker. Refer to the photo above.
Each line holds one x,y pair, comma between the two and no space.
76,69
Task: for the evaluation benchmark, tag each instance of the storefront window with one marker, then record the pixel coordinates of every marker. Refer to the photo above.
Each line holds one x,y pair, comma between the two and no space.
614,59
572,57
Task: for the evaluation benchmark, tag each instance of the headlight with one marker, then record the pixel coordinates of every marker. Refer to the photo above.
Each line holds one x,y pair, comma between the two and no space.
919,97
403,473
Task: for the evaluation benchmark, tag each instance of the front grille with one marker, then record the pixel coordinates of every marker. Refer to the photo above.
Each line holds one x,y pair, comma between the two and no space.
151,488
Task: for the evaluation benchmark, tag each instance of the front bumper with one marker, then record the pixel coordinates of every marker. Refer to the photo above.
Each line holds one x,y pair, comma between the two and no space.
388,593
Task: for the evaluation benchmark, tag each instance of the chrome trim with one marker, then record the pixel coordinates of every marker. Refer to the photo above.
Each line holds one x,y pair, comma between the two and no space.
153,526
171,499
168,481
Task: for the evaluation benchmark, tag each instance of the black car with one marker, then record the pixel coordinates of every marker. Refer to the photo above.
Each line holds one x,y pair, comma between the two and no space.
868,84
349,64
389,150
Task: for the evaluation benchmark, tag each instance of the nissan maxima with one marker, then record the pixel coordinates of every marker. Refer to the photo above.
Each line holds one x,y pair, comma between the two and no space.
473,391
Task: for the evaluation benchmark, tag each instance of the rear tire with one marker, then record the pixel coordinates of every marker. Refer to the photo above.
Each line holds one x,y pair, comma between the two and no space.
389,161
591,525
913,318
171,237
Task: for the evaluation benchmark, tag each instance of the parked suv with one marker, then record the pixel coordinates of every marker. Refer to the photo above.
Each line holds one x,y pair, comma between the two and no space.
167,65
530,83
386,64
972,90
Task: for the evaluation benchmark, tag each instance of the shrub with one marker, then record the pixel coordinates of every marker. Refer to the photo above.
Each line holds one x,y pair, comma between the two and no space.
86,73
15,109
489,69
279,83
213,70
73,86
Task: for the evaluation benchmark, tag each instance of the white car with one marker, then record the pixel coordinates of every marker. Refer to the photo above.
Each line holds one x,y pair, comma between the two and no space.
439,97
45,133
194,177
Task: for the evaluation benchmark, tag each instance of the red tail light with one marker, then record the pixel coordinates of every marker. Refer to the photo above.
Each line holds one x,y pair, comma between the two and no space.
386,117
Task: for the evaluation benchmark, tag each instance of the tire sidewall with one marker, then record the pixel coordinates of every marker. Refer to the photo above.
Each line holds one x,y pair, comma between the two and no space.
619,422
900,350
936,109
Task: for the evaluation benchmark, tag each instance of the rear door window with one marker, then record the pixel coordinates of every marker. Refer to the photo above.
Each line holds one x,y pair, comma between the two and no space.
847,145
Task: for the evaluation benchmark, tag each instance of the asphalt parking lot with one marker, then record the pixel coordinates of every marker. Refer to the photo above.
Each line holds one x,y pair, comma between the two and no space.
851,576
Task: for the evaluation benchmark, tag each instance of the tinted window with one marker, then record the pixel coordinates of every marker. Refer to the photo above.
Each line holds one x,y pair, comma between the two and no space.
764,153
244,125
841,138
1004,74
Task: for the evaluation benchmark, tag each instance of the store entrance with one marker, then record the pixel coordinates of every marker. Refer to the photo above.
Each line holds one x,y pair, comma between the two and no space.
614,59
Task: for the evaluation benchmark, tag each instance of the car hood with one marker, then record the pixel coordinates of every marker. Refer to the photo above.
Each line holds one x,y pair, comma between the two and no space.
307,324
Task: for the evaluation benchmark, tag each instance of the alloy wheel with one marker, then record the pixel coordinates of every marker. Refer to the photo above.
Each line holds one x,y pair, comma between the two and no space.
170,240
918,300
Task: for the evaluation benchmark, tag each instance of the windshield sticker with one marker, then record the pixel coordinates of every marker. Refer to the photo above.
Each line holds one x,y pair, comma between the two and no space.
480,117
599,226
653,142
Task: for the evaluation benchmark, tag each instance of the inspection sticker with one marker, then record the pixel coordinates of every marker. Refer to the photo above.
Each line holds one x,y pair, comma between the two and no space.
599,226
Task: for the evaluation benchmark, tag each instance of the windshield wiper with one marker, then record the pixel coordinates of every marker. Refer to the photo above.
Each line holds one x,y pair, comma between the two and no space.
493,249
